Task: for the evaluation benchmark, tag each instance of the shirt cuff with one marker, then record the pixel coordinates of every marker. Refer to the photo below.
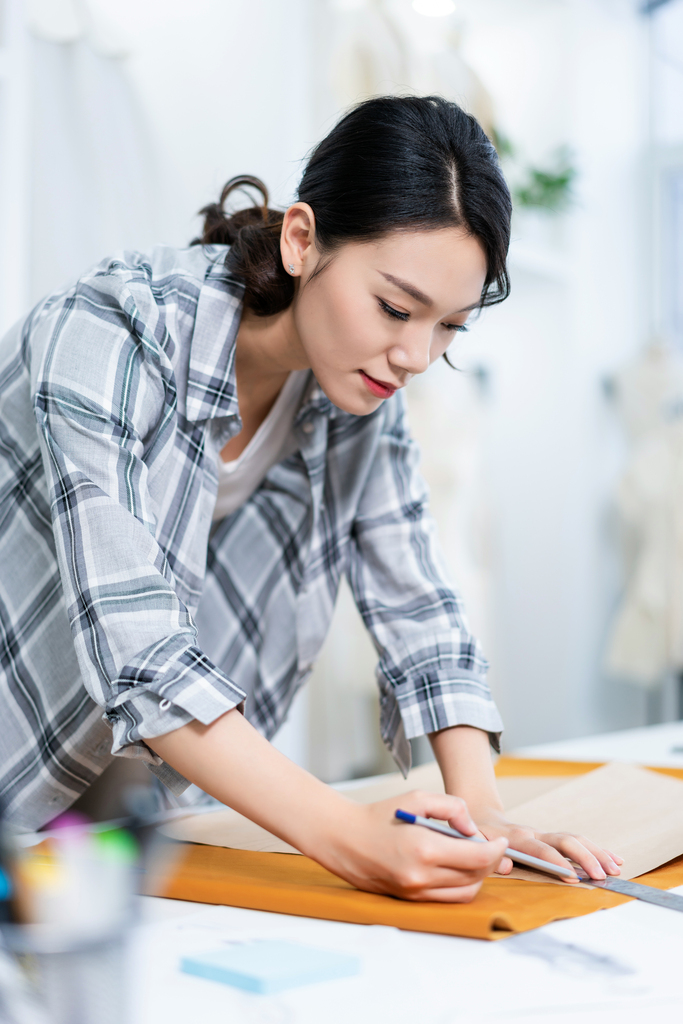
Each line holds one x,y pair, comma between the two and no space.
438,700
140,713
168,720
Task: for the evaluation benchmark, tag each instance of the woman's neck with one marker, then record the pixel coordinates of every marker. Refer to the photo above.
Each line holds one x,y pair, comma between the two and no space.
267,350
268,346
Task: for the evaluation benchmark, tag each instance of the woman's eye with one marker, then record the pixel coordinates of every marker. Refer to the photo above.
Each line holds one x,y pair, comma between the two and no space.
396,313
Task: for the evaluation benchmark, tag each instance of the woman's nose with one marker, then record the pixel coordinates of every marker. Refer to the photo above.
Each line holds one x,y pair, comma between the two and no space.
411,355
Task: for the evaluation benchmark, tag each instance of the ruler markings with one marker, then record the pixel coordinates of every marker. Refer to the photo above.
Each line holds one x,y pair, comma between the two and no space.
660,897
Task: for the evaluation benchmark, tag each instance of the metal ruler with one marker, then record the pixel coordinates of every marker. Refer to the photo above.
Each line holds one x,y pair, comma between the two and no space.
660,897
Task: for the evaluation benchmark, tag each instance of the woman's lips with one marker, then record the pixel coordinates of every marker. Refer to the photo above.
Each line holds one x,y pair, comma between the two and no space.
378,387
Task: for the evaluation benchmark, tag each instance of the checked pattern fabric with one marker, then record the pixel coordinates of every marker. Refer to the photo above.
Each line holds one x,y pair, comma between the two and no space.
124,612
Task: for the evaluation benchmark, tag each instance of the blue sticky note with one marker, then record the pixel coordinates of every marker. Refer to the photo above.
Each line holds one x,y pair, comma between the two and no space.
270,966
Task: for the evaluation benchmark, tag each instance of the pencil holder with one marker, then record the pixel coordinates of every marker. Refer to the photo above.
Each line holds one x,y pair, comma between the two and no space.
68,918
73,983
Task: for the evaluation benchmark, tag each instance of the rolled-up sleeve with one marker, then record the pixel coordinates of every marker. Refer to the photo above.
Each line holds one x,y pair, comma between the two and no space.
431,671
105,408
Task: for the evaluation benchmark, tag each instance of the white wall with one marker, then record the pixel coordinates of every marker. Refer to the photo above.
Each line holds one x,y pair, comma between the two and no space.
666,57
564,73
667,74
139,110
225,85
14,165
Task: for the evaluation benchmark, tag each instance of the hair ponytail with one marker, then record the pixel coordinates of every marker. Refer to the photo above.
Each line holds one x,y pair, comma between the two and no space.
394,163
253,235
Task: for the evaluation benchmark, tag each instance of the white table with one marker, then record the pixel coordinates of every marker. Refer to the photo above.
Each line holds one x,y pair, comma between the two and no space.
660,745
620,966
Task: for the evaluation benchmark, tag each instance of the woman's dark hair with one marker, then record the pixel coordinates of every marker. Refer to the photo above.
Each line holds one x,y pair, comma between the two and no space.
391,164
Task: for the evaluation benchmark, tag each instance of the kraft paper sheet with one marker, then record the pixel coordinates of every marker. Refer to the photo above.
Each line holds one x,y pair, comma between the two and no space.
228,828
630,811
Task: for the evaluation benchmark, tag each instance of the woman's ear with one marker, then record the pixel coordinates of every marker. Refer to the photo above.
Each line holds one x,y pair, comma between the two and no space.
297,240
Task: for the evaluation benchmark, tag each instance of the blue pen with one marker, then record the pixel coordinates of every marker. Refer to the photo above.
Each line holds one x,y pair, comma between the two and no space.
521,858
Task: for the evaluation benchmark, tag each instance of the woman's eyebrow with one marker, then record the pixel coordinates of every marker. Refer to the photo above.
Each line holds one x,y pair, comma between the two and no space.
420,296
410,289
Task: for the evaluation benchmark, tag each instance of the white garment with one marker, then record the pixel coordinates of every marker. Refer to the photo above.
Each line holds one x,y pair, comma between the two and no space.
381,50
649,391
91,150
273,441
647,638
647,635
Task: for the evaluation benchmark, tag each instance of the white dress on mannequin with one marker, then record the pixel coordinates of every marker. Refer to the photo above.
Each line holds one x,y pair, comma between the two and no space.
647,638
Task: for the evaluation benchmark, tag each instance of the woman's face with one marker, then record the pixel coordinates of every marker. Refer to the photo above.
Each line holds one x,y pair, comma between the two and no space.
382,311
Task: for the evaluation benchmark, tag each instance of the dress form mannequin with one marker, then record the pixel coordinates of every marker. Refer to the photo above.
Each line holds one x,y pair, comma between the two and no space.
647,639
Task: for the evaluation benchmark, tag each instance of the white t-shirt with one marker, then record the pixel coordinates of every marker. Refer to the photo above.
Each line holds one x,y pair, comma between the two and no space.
273,441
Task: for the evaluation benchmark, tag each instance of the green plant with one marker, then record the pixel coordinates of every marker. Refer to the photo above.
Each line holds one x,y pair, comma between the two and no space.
547,189
539,188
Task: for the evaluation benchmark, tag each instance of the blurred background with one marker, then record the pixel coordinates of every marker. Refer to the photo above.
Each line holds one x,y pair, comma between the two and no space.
555,450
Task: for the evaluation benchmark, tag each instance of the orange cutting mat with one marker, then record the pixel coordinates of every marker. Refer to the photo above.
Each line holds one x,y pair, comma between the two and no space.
290,884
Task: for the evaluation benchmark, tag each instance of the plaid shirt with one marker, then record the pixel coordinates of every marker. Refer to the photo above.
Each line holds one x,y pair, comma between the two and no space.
124,613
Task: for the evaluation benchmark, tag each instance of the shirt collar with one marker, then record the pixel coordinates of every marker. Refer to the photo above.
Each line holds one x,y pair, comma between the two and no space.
314,401
211,384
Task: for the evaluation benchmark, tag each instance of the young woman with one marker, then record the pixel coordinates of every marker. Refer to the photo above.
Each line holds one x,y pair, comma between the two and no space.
196,445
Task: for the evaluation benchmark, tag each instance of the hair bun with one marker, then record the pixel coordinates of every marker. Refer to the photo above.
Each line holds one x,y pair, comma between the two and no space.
253,235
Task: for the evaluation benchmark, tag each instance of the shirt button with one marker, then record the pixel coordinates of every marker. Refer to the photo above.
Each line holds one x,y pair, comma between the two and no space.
307,427
164,705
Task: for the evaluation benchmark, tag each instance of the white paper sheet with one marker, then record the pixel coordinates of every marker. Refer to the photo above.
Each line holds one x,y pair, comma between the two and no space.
409,977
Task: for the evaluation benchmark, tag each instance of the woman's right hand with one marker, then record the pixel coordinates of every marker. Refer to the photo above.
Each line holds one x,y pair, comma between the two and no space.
374,851
363,843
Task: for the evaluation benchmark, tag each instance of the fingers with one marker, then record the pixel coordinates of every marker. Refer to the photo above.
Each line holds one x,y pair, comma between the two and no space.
505,866
542,847
446,808
417,879
431,863
460,894
380,854
596,862
439,865
459,854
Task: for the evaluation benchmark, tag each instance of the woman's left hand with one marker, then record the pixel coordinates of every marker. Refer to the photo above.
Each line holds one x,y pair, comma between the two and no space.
551,846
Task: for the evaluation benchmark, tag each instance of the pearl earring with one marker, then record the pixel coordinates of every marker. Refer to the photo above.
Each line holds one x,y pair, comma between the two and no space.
291,268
